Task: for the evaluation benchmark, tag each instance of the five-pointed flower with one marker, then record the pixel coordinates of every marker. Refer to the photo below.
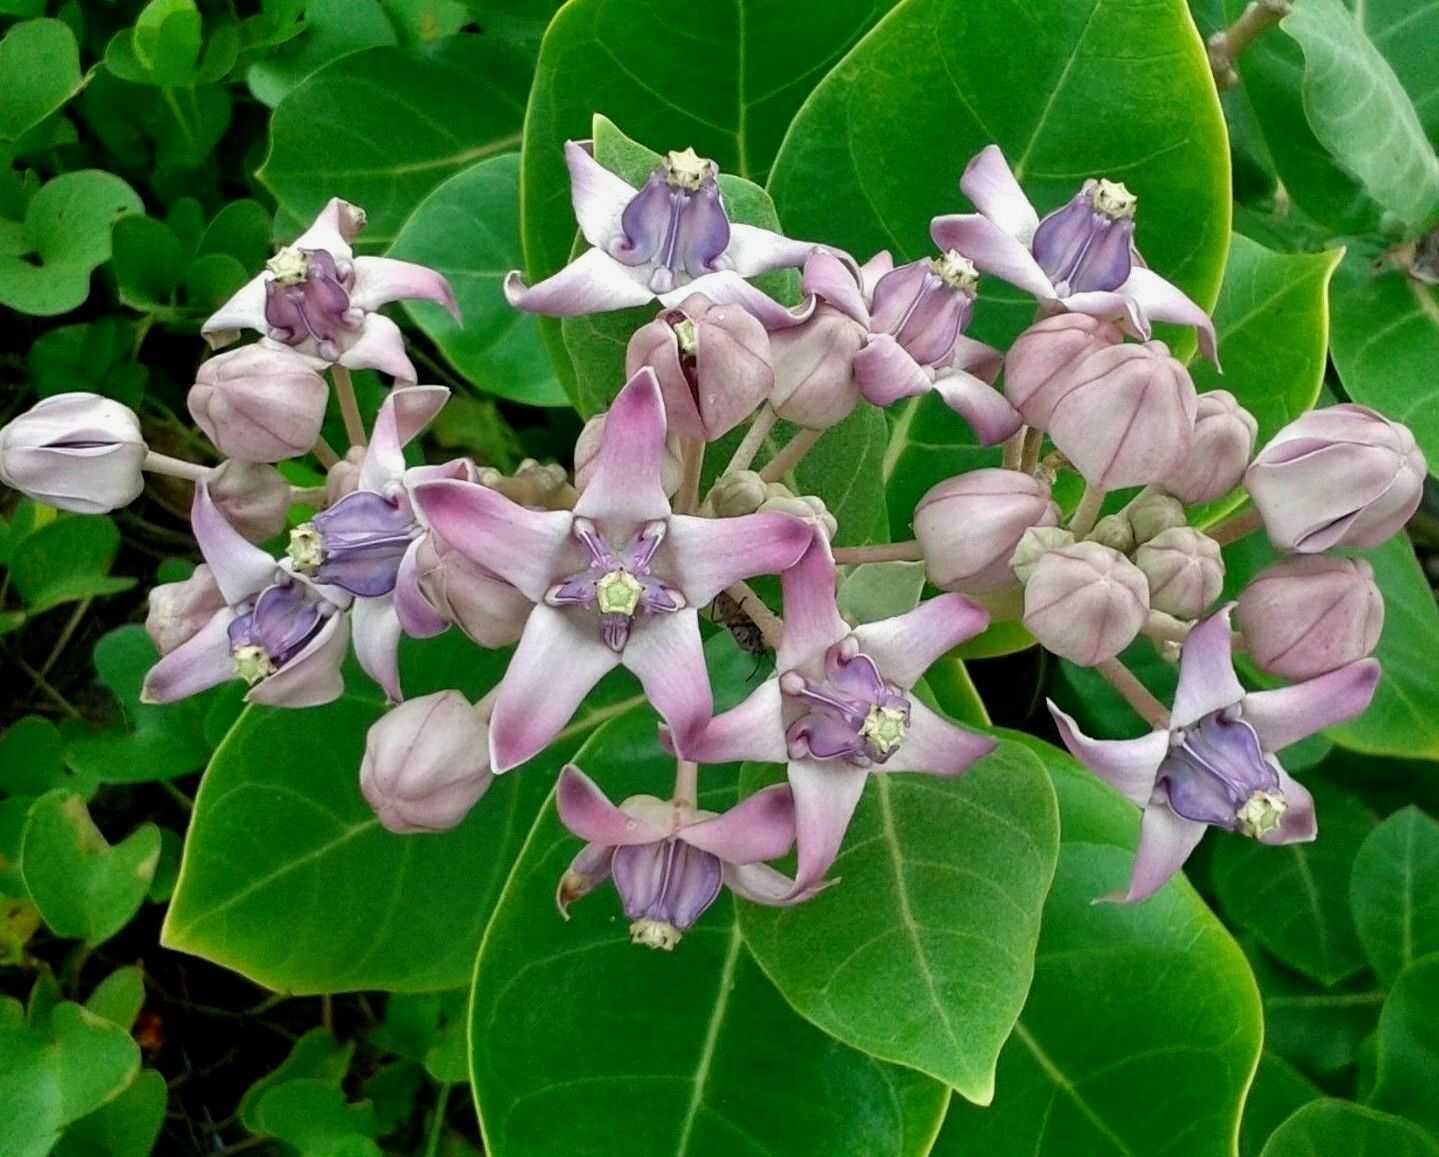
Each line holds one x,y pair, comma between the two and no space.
283,634
669,860
668,240
1214,766
839,706
1081,257
316,297
618,581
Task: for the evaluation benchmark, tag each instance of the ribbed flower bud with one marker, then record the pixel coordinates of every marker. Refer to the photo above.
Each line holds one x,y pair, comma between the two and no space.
488,609
740,492
1114,531
1085,602
1342,476
79,452
712,363
254,497
1037,541
1224,434
814,383
179,610
1041,364
261,403
426,763
1309,614
1185,571
587,448
1152,514
542,486
810,507
969,526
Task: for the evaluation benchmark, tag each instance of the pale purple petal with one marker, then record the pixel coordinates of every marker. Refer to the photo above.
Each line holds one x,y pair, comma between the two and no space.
872,272
935,746
990,185
825,796
594,282
752,250
241,569
589,814
752,732
244,310
524,547
1165,841
831,276
332,230
598,195
761,884
1206,671
1299,824
987,411
811,620
667,656
1160,300
418,618
905,646
885,372
759,827
624,483
201,662
1287,715
379,346
557,663
727,287
405,411
380,280
709,554
983,361
1127,765
312,677
1110,305
992,250
376,628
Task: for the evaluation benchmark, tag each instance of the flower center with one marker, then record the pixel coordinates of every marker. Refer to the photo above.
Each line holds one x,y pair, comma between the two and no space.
1113,200
884,728
654,934
308,299
686,336
1261,813
851,714
618,593
676,224
252,663
956,271
688,170
665,887
618,584
306,549
281,623
290,266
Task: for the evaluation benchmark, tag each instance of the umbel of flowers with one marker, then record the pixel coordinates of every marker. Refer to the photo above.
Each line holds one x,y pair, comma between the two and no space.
614,566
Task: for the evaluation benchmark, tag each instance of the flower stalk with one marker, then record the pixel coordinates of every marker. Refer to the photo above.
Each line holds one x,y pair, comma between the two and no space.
349,405
1226,46
789,457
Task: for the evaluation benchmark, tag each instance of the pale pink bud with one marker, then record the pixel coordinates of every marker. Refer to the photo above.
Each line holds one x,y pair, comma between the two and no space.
1085,602
1341,476
540,486
1127,416
344,476
262,403
179,610
587,448
1153,513
1310,614
740,492
254,497
814,383
426,763
1034,545
1185,571
969,526
712,362
77,451
488,609
1040,366
1224,434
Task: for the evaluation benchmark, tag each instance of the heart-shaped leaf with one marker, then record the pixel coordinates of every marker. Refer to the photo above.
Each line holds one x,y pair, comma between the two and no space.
39,72
1395,892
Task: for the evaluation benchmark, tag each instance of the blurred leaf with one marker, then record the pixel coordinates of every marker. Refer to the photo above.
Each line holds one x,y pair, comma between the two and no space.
421,22
317,1056
241,229
30,762
119,997
332,29
1333,1127
149,262
1395,892
314,1117
46,261
85,888
66,561
1318,1030
1408,1053
1278,1090
94,357
880,590
469,229
406,120
167,871
128,1126
39,72
165,47
896,960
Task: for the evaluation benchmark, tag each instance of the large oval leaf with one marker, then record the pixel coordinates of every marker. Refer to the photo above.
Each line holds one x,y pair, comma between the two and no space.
1408,1048
923,953
1142,1029
584,1044
1334,1126
1395,892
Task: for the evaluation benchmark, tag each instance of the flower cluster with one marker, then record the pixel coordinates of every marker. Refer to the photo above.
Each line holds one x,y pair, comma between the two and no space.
614,566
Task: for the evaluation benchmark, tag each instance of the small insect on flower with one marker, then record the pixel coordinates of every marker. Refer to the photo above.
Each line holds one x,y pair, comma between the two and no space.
730,614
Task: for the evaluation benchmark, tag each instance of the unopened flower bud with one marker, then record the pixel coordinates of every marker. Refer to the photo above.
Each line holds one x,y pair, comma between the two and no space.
1185,571
969,526
254,497
1040,365
1342,476
1310,614
1113,531
179,610
261,403
541,486
587,447
810,507
1037,541
1223,442
79,452
1127,415
426,763
814,383
740,492
1085,602
1152,514
488,609
712,363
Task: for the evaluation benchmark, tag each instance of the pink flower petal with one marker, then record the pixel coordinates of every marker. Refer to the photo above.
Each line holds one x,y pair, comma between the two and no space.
244,310
761,884
833,277
418,618
201,662
990,185
752,250
759,827
240,568
311,677
1287,715
728,288
935,746
1130,766
987,411
885,373
381,280
598,195
905,647
624,484
594,282
376,629
379,346
405,411
333,228
709,554
1206,671
811,621
992,250
1159,300
1165,841
752,732
666,654
825,796
589,814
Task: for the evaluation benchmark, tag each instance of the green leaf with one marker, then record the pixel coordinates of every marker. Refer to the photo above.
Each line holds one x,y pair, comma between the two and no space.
332,29
317,1056
167,39
1404,30
314,1117
94,357
1408,1053
30,762
923,953
1278,1090
875,151
469,229
1395,892
46,261
128,1126
1142,1027
149,262
85,888
119,997
584,1042
1386,343
66,561
1360,112
1318,1030
1333,1126
385,127
39,72
281,832
1294,899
